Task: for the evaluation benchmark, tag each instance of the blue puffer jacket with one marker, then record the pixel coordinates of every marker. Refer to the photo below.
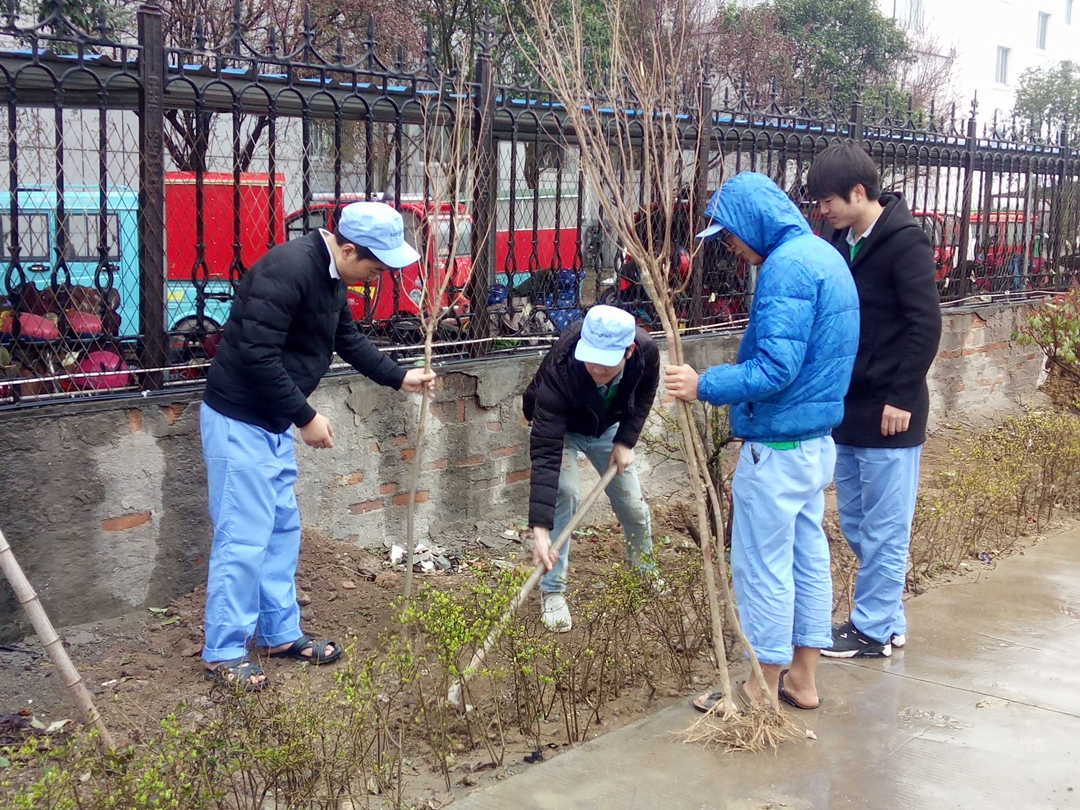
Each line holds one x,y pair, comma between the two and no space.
798,352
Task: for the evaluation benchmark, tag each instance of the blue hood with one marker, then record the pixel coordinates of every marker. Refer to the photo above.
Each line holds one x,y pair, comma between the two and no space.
753,207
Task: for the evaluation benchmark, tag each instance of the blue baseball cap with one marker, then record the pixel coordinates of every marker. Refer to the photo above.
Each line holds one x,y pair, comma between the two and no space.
606,334
380,229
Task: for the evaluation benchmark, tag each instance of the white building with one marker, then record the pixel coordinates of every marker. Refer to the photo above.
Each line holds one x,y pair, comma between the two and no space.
995,41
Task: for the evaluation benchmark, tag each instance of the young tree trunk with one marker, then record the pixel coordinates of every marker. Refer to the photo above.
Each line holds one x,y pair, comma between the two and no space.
705,493
414,476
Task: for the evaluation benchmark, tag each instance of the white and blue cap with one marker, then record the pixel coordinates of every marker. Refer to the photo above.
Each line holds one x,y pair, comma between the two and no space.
380,229
712,214
606,334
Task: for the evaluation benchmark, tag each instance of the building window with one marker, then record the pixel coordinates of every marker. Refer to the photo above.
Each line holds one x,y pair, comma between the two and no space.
908,14
1068,12
1044,25
1001,74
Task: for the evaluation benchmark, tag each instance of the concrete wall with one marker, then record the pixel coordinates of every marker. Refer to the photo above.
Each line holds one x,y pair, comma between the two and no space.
105,504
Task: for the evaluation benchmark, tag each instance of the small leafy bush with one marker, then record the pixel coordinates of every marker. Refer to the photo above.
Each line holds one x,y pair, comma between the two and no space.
347,745
1054,326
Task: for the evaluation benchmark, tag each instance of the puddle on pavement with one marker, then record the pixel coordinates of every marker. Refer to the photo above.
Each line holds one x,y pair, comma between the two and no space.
911,717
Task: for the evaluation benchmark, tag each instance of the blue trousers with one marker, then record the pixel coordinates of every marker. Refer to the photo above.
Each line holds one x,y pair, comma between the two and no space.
624,492
779,551
875,490
251,585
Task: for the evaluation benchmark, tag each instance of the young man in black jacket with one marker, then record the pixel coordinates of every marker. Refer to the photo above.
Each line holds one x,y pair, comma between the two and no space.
289,316
592,394
880,440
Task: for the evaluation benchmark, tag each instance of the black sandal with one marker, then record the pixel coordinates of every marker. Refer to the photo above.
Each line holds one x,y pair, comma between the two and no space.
318,655
241,670
788,699
705,702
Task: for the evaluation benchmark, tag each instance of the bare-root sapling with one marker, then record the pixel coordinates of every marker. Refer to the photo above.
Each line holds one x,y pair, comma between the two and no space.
627,105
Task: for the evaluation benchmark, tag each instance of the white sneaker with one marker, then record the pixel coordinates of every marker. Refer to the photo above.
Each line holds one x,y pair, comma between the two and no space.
555,613
899,640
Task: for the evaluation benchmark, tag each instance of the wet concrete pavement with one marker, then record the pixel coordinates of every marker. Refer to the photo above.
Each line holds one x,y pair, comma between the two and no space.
980,710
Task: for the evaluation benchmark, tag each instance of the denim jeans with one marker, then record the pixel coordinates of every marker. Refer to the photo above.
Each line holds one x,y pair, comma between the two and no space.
875,491
251,583
624,492
779,550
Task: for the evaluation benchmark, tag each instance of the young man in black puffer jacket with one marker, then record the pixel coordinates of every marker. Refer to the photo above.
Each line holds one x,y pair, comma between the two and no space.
880,441
592,394
289,316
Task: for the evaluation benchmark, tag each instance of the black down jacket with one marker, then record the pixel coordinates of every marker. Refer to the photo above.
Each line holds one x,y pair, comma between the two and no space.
563,398
288,318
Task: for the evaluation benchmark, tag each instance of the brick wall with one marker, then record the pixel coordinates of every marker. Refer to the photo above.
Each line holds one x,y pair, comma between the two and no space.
105,503
978,368
475,462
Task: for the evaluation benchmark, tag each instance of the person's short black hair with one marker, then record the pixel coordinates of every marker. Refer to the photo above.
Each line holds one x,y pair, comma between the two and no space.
841,167
361,251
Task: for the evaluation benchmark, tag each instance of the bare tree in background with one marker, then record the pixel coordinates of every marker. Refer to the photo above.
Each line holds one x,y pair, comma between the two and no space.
345,31
748,53
930,79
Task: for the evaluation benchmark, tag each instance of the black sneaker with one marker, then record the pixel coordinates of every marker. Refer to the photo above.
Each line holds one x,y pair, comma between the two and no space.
848,642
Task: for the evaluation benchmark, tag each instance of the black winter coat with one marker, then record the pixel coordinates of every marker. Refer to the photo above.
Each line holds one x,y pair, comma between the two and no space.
288,318
894,272
563,398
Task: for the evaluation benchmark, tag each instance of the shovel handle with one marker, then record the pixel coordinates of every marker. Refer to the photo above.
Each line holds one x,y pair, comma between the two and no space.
535,576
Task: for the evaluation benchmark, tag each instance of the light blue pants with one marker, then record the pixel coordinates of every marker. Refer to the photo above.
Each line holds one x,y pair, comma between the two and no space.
875,491
779,551
251,585
624,492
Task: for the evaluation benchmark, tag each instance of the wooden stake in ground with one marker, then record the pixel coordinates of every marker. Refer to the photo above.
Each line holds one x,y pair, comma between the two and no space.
28,598
456,696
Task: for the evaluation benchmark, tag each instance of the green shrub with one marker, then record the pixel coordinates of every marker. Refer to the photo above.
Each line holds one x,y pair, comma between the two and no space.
1054,326
998,486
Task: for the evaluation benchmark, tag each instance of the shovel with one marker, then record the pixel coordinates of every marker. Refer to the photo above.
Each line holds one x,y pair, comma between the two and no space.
52,643
456,695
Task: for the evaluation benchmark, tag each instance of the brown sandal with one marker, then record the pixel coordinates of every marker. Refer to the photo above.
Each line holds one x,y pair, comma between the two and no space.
707,700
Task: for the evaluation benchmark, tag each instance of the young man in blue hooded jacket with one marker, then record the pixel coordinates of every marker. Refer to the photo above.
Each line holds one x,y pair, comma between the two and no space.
786,392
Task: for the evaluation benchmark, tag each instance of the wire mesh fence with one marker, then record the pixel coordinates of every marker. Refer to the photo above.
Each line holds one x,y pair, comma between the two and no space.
146,175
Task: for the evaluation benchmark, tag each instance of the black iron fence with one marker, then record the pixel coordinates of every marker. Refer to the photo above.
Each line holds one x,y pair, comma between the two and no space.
146,176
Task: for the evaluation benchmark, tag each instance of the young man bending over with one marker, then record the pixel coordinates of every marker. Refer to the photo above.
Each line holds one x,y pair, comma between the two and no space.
592,394
289,316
